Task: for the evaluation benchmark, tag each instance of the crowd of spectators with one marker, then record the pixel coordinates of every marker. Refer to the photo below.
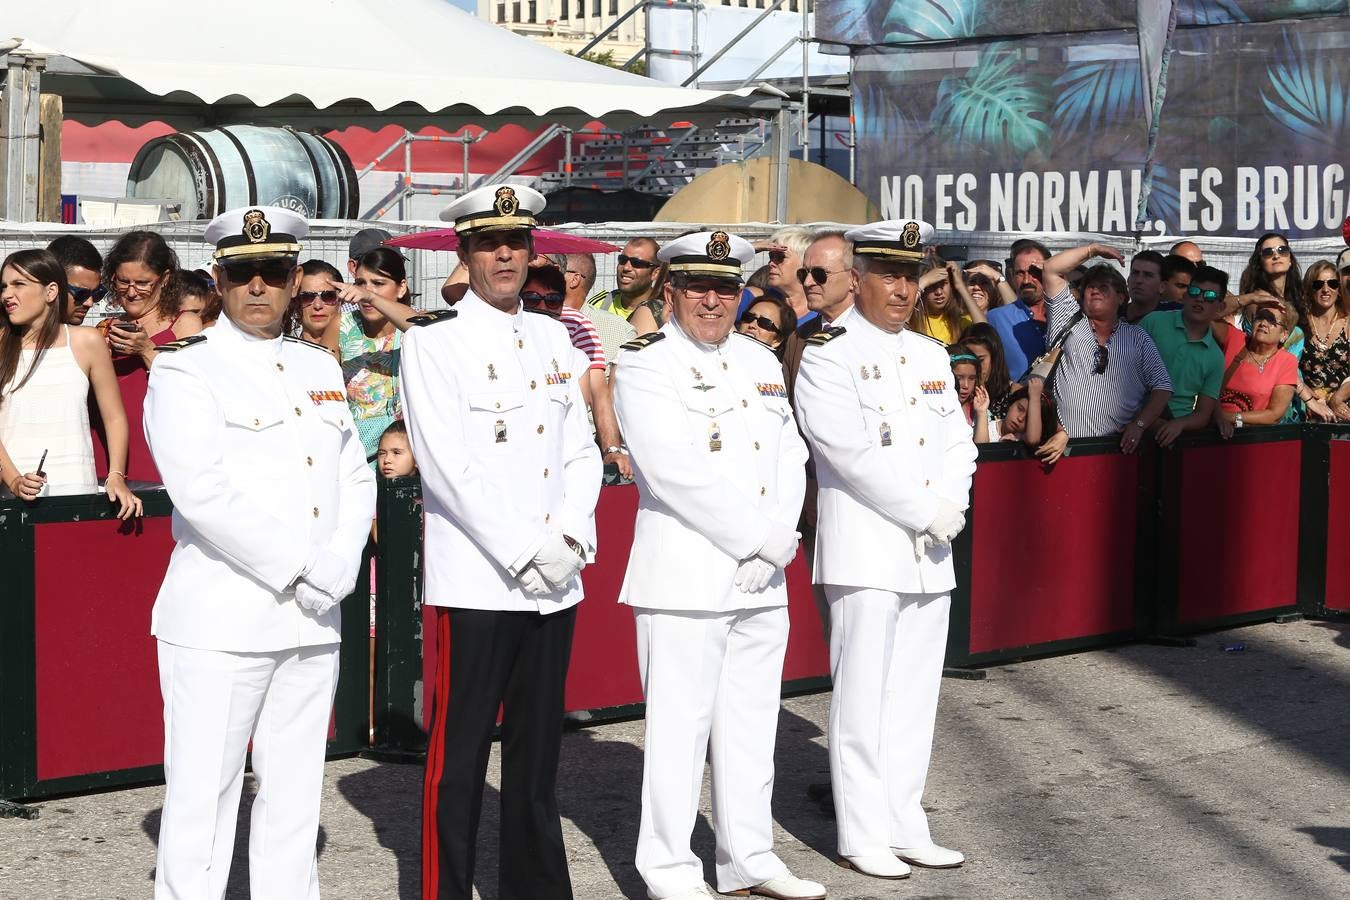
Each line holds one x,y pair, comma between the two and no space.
1044,347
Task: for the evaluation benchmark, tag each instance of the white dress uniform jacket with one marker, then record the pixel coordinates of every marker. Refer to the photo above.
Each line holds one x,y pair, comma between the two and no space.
256,447
718,461
882,416
498,426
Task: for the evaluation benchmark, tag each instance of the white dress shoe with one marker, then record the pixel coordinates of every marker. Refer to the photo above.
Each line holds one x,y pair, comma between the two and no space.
702,892
930,857
785,887
876,865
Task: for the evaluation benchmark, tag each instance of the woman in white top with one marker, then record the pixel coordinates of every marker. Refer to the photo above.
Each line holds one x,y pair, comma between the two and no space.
46,371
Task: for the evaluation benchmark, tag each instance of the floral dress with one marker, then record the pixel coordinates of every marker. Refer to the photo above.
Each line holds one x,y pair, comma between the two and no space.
1324,368
370,369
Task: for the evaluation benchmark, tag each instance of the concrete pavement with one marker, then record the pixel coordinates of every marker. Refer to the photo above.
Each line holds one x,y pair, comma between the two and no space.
1145,771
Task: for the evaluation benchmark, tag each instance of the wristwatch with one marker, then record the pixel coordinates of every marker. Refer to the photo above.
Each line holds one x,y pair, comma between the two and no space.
616,448
1139,423
1237,420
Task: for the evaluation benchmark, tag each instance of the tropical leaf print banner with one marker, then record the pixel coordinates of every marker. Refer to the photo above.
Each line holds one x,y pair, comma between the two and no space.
1049,132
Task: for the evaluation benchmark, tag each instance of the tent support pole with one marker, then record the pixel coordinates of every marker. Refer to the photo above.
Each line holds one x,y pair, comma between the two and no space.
19,137
732,43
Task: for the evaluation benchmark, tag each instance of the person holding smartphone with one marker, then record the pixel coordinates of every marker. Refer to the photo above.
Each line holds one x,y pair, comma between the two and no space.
137,270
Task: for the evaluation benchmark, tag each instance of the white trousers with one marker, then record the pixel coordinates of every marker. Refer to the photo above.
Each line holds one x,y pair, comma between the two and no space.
214,702
886,652
711,681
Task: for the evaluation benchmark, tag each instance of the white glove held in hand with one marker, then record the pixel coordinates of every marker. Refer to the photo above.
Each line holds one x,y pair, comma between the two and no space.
556,561
313,599
532,581
753,575
780,547
923,543
330,574
948,522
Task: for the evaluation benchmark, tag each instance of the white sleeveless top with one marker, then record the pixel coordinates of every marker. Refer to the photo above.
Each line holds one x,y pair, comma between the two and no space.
51,413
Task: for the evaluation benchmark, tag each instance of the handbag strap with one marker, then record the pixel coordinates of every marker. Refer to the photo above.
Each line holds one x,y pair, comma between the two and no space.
1058,345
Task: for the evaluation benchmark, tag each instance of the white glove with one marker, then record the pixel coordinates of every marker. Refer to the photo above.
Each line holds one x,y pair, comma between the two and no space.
948,523
923,543
556,561
780,547
313,599
532,581
753,575
330,573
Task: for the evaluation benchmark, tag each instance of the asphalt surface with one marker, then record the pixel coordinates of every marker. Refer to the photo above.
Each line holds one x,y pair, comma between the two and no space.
1144,771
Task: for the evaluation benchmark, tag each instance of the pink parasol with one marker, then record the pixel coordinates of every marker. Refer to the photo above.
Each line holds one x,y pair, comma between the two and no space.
544,242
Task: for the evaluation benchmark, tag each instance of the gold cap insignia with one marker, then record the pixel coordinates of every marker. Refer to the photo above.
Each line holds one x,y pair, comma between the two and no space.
506,203
909,237
719,245
256,227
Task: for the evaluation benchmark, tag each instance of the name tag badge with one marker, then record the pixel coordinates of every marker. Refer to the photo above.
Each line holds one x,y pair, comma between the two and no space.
714,438
885,434
499,431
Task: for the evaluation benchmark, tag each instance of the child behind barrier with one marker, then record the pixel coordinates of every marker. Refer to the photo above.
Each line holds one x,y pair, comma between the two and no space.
970,391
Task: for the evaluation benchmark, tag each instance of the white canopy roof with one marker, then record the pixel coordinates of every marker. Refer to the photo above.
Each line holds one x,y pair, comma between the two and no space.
327,63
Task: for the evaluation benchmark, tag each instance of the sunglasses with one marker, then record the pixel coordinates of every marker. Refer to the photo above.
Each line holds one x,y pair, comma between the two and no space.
635,262
1207,296
551,299
273,272
818,274
1326,283
88,295
777,256
749,318
1103,359
1281,250
328,298
1266,315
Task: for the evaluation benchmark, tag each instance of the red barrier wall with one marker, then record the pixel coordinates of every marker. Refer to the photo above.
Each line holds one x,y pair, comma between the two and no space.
1052,552
98,703
1338,523
1239,523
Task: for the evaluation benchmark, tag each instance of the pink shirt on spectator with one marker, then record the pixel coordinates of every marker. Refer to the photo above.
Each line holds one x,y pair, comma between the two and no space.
584,336
1249,388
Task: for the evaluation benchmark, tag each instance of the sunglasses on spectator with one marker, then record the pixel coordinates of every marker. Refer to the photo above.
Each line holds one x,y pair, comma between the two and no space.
1103,359
1266,315
777,256
552,299
273,272
764,324
1207,296
1280,250
88,295
818,274
635,262
327,298
1326,283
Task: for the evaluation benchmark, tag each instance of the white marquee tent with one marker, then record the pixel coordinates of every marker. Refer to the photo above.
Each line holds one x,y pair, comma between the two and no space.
308,64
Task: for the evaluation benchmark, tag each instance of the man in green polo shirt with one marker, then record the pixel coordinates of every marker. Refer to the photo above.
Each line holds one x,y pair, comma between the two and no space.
1193,359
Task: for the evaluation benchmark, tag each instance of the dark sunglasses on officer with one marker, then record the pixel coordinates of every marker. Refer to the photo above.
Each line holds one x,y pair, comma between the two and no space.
274,271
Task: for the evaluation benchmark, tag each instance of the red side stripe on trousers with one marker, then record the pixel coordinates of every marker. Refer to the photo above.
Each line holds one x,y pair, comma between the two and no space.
440,700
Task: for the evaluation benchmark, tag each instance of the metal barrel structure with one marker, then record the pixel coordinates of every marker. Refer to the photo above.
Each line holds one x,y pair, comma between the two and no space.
214,170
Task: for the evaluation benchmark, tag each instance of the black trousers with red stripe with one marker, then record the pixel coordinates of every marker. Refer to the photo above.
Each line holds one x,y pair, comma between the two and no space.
486,659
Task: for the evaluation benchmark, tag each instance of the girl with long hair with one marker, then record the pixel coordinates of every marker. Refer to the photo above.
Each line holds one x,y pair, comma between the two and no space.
46,372
982,340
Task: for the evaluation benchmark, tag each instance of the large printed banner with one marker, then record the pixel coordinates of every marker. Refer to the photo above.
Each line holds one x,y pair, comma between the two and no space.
871,22
1049,133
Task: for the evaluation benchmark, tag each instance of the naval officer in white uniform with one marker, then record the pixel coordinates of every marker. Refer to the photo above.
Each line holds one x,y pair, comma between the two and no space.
895,459
272,506
510,478
720,472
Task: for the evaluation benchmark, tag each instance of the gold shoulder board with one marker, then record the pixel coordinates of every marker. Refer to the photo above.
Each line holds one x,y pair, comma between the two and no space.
645,341
173,346
431,318
824,337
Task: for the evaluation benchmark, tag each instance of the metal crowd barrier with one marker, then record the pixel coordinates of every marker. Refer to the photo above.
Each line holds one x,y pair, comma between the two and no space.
1101,549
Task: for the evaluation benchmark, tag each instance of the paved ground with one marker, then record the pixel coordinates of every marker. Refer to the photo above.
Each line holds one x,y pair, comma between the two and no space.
1151,772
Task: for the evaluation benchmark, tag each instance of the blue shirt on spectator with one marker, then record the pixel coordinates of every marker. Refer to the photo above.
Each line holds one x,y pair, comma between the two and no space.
1023,337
